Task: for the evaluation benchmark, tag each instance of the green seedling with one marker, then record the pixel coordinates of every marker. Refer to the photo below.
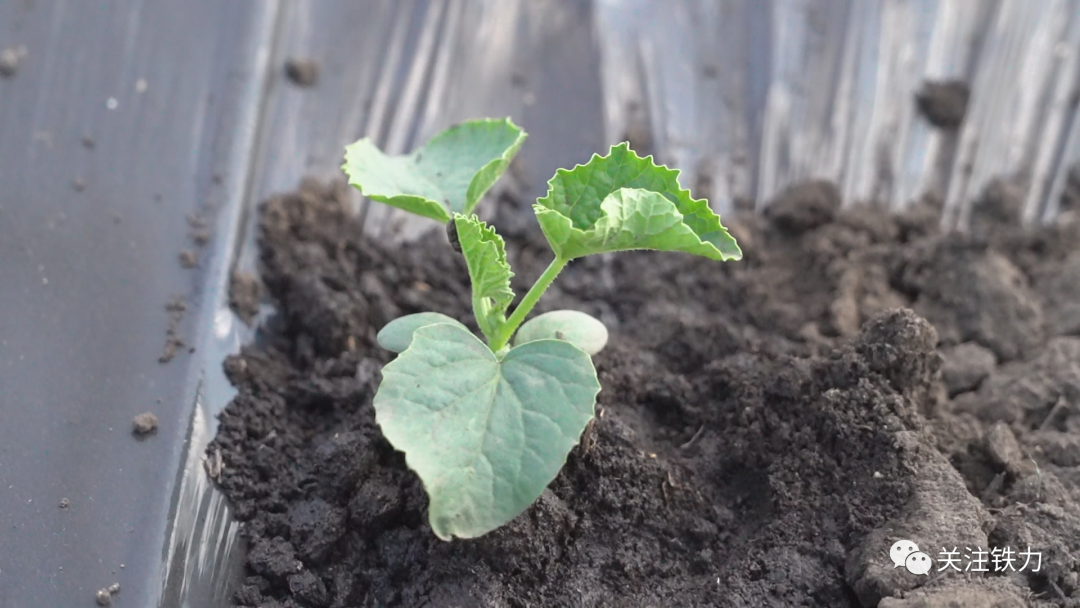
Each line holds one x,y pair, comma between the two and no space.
488,424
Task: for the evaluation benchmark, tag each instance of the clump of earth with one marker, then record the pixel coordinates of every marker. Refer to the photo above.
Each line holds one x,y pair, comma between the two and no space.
767,432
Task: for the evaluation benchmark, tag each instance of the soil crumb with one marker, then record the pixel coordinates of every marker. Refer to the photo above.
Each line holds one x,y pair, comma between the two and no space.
188,259
766,431
88,142
9,61
302,71
78,184
144,423
176,308
245,294
943,103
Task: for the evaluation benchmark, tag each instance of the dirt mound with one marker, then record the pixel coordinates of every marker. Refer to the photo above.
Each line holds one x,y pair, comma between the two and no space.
766,430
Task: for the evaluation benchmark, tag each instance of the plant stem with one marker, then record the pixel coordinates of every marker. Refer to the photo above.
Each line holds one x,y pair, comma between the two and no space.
527,303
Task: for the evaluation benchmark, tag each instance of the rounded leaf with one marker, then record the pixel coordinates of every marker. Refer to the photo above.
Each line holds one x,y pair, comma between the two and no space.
582,330
448,175
398,334
485,436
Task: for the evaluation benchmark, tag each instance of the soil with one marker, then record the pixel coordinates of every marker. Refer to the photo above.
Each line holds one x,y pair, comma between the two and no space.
174,342
943,103
245,294
9,61
144,423
766,431
302,71
188,259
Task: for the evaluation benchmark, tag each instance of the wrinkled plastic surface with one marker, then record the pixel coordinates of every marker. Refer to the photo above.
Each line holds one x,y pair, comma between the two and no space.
755,95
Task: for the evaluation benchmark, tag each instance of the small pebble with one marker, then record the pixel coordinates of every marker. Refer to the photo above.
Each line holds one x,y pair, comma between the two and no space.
104,598
64,503
144,423
78,184
88,142
114,588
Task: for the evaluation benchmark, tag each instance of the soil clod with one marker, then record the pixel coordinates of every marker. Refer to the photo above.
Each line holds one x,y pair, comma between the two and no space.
188,259
302,71
176,308
9,61
943,103
144,423
245,294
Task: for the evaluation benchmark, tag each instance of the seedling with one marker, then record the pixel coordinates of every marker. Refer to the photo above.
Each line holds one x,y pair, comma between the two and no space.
487,425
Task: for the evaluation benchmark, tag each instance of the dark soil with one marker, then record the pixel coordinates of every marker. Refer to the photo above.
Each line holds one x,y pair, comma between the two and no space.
9,62
245,293
302,71
766,431
174,343
943,103
188,259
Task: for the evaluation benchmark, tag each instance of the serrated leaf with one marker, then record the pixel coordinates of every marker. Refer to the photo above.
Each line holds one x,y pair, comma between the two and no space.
581,330
587,210
485,436
489,272
397,335
448,175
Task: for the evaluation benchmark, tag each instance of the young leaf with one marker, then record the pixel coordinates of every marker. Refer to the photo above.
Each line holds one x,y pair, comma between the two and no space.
448,175
489,272
620,202
485,436
577,328
397,335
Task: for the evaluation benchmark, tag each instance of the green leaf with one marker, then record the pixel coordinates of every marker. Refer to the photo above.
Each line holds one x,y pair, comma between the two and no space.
489,272
397,335
485,436
620,202
581,330
448,175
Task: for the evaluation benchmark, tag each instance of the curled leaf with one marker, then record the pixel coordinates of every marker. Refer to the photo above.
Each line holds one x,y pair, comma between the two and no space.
621,202
489,272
